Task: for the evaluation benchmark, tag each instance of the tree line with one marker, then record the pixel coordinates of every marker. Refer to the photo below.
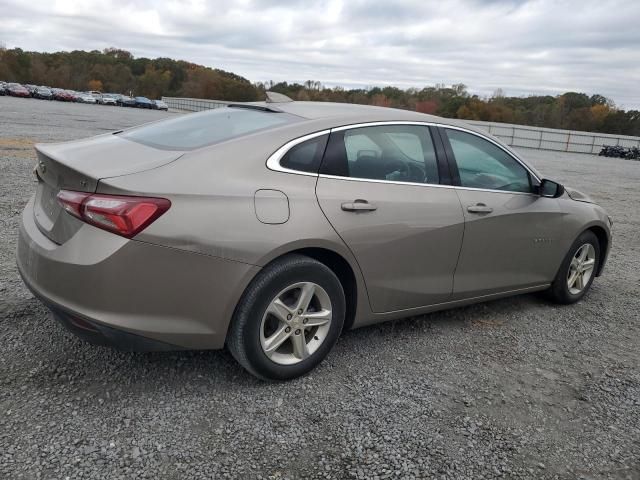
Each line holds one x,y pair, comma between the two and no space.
117,70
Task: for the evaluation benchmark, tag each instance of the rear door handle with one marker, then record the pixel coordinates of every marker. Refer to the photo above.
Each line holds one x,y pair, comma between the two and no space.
479,208
358,205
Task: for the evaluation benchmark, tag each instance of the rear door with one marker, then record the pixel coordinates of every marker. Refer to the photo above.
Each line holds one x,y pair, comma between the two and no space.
381,189
510,237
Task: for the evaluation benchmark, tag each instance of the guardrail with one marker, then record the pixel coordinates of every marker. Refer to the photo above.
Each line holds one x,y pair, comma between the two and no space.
513,135
192,104
553,139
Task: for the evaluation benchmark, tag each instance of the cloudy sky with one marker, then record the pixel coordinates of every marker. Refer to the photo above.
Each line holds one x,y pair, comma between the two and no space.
521,46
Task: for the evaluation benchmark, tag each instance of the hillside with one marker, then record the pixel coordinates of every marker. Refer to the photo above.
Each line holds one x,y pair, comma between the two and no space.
116,70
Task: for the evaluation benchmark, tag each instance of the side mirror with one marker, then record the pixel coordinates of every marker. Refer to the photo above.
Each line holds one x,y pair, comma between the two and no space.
550,189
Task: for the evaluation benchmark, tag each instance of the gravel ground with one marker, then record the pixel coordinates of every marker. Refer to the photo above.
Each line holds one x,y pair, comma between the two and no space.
516,388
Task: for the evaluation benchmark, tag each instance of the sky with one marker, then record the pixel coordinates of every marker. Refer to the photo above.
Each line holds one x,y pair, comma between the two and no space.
523,47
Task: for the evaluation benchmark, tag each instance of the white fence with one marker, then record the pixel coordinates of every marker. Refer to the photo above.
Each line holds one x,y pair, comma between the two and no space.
552,139
513,135
192,104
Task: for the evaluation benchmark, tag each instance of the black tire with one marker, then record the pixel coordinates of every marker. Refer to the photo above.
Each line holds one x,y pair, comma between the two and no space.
243,338
559,291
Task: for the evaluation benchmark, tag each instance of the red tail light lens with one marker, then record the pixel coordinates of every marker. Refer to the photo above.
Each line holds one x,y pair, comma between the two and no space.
119,214
72,201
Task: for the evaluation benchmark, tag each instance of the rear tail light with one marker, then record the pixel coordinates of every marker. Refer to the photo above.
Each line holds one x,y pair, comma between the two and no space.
119,214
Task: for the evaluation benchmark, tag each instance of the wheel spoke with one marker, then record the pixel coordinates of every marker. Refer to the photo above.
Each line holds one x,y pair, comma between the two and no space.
278,309
272,343
579,281
300,348
583,252
572,279
588,264
306,294
317,319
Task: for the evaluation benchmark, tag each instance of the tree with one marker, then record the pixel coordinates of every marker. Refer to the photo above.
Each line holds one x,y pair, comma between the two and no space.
117,70
95,85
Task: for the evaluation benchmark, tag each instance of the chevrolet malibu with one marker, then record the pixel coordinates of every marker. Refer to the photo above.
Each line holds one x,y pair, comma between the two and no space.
271,227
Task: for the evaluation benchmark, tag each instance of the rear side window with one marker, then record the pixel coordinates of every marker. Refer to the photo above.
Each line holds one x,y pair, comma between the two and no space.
195,130
306,156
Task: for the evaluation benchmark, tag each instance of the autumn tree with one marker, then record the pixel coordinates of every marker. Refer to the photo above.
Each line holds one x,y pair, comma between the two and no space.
117,70
95,85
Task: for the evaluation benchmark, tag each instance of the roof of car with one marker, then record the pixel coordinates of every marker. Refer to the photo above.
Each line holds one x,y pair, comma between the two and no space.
322,115
315,110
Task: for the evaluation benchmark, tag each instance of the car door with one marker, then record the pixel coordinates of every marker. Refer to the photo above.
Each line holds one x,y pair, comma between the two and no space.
381,189
510,236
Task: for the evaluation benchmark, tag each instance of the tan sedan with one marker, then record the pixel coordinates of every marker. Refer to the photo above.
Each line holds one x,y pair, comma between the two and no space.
271,227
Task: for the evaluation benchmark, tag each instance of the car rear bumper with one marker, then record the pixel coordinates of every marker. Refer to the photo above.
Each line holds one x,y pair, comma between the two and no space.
101,334
131,294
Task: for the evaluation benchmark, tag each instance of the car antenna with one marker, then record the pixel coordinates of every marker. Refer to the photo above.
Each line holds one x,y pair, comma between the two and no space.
275,97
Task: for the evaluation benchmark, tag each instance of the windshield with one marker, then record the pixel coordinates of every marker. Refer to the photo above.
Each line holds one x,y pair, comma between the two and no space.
196,130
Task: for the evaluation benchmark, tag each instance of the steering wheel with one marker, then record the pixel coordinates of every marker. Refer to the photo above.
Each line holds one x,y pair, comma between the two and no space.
412,172
508,186
487,180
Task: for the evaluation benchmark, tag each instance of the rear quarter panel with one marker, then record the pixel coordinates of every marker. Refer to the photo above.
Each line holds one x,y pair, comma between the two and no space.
213,211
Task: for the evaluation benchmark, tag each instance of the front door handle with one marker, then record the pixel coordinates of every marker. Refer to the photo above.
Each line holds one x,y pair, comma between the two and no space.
479,208
358,205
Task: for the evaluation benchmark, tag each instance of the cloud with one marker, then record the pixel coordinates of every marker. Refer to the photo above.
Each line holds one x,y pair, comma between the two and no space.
522,46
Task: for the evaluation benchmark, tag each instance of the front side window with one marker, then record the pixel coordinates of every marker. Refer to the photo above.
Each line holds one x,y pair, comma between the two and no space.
481,164
401,153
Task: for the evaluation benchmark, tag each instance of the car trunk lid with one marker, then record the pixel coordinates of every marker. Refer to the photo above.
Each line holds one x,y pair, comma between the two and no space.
79,166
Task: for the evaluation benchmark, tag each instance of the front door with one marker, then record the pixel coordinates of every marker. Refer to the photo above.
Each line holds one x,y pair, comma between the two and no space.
380,189
510,236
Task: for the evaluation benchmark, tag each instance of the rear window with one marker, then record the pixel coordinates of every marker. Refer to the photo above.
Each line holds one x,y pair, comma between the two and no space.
196,130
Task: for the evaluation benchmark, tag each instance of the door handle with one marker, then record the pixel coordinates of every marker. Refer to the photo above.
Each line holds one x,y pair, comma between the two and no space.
358,205
479,208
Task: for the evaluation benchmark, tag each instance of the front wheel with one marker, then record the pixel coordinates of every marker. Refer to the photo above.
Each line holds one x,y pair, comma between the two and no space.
576,274
288,319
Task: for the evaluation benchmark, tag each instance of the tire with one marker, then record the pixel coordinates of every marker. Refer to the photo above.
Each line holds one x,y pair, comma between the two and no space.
560,292
284,279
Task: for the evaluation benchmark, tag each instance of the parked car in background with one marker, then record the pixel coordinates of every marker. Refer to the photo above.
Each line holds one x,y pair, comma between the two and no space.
62,95
125,101
74,95
43,93
143,102
17,90
107,99
338,216
86,97
3,88
160,105
31,88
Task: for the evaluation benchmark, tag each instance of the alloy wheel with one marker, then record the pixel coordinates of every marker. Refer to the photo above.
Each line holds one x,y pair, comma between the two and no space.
581,268
296,323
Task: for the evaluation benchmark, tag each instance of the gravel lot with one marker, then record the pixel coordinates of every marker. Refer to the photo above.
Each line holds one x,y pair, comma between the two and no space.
515,388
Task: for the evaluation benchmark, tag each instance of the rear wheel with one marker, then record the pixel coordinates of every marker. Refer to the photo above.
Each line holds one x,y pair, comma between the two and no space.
577,271
288,319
